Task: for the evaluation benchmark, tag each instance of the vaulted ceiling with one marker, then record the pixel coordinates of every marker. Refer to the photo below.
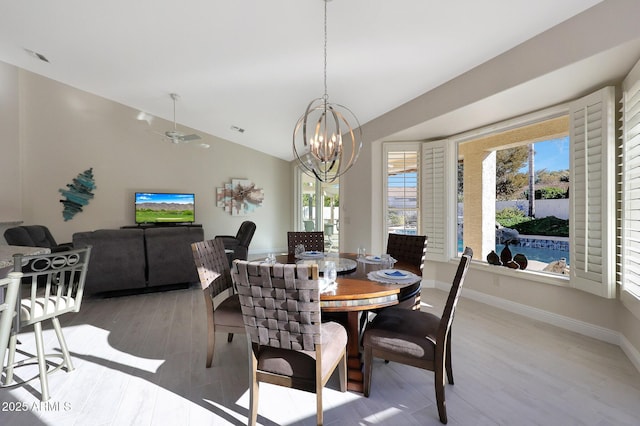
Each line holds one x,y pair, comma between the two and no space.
255,64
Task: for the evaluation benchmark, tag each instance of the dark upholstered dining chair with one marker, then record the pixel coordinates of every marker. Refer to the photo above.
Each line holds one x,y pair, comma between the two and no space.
221,302
313,241
416,338
410,249
290,346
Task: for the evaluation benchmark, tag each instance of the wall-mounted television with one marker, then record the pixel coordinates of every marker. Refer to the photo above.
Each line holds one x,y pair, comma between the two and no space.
165,208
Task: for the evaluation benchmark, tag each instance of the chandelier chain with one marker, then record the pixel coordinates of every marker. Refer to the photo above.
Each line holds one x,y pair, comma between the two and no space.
326,93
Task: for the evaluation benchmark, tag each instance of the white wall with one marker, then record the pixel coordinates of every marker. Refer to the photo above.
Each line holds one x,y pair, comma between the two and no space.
64,131
10,194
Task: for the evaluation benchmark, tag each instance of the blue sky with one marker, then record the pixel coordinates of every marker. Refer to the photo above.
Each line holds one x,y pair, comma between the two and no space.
552,154
156,197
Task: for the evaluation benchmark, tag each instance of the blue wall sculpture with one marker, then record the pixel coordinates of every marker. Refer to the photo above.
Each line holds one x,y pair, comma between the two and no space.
78,194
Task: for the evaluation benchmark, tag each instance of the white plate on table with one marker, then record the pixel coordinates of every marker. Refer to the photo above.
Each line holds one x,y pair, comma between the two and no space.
373,258
395,274
311,255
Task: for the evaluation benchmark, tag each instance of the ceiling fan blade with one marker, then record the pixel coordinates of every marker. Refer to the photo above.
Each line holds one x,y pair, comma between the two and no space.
191,137
172,134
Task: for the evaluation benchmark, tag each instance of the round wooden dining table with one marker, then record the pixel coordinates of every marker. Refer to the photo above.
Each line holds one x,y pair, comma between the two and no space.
353,295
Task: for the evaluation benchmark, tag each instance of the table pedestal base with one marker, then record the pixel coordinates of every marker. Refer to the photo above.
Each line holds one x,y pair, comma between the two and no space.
355,378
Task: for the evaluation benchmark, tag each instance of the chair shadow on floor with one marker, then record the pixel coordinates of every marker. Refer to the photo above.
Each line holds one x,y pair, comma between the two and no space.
165,369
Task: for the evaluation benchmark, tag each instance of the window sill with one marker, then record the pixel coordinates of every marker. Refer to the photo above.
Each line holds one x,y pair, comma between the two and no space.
523,274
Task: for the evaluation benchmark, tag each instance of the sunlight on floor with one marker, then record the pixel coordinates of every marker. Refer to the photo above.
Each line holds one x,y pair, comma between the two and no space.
99,344
426,305
274,400
383,415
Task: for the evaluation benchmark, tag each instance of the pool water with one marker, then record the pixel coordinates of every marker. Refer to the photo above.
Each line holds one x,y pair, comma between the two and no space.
532,253
539,254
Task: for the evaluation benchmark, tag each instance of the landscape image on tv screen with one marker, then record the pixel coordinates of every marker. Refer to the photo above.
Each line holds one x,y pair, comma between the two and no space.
154,207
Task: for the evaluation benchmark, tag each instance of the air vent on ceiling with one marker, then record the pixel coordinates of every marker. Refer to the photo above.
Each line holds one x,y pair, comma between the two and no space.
37,55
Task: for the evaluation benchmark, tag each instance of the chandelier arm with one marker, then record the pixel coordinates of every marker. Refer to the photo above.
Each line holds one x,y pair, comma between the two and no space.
318,144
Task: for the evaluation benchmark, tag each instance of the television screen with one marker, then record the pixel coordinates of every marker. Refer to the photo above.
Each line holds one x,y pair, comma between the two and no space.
156,207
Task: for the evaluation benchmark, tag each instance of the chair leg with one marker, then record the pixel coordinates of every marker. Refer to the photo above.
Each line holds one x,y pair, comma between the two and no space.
319,412
63,344
230,337
342,372
447,360
42,362
211,341
368,368
254,389
10,359
439,386
211,328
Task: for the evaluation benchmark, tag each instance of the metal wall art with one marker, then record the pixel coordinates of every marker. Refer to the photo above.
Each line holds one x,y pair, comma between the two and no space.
78,194
240,197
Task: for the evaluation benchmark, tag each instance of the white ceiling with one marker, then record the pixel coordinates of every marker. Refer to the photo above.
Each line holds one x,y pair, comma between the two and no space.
255,64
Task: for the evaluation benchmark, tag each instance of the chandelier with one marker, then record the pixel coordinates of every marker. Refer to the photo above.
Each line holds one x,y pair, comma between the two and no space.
325,142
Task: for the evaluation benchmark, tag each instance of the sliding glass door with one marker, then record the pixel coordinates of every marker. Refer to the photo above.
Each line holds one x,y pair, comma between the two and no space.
318,209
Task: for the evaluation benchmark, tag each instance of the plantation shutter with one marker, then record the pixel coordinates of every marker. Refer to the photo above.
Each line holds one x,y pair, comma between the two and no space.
592,222
436,193
630,195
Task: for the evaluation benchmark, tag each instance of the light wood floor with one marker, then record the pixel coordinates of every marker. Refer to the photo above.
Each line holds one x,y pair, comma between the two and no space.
140,361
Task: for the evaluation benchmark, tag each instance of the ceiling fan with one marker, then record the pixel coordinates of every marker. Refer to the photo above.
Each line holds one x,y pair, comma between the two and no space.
174,135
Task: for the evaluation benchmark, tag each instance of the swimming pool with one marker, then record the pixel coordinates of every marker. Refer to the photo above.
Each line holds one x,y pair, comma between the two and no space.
532,253
539,254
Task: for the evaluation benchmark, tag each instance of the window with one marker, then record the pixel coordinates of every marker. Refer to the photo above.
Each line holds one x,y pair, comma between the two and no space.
532,202
498,173
401,187
590,124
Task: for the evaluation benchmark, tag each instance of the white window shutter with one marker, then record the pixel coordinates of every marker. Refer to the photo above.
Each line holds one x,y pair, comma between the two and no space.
592,223
436,211
630,196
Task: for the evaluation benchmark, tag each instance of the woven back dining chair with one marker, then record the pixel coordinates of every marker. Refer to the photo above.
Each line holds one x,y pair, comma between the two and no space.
52,285
289,345
416,338
312,241
221,302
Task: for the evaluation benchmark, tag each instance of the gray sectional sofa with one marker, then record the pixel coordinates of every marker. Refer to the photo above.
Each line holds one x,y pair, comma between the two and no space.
138,259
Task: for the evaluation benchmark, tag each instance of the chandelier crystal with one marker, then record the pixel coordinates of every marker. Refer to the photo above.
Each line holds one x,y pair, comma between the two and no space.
327,138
